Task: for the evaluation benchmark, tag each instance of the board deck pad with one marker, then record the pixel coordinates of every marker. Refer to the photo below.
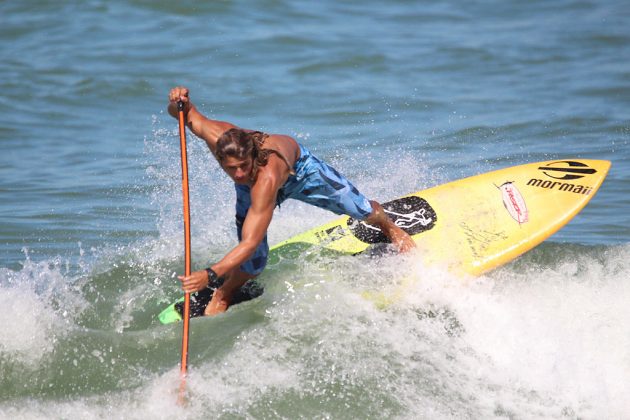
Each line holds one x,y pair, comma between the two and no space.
468,226
413,214
199,301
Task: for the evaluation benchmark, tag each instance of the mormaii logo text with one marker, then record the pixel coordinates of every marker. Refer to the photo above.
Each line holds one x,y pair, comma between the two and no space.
514,202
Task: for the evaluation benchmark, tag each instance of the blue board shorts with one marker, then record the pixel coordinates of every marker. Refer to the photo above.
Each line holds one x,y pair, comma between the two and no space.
315,182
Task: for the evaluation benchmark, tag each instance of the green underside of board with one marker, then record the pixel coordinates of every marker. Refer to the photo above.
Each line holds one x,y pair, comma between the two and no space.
170,314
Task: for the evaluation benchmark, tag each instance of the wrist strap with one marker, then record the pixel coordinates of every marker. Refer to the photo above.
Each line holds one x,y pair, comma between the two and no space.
212,278
212,275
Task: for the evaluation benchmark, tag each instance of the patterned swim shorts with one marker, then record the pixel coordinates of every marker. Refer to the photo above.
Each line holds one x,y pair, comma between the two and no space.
315,182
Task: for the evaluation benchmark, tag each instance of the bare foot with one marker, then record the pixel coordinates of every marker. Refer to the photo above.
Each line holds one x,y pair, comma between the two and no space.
401,239
218,304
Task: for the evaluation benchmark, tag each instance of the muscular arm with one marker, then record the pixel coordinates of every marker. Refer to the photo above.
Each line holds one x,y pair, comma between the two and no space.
254,228
203,127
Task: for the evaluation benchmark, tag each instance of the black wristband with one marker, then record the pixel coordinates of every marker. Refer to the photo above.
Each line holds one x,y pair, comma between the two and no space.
212,278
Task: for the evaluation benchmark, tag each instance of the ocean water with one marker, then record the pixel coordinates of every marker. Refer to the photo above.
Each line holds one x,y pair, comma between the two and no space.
399,96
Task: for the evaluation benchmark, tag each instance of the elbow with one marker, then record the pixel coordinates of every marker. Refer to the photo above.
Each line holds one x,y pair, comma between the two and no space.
249,246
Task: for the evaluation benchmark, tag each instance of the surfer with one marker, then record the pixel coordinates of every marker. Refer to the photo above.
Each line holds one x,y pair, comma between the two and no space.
268,169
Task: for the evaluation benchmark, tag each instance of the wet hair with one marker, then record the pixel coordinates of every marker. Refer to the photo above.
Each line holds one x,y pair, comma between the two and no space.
240,144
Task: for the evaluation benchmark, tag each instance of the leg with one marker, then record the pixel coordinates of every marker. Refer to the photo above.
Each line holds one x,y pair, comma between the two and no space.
323,186
401,239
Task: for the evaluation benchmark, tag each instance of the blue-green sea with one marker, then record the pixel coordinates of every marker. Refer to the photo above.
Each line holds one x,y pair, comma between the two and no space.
399,96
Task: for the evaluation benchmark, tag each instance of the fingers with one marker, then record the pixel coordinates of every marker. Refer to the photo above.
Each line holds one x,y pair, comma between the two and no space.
194,282
188,284
178,93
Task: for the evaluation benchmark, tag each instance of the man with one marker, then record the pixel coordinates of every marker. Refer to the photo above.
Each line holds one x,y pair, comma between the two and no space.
266,170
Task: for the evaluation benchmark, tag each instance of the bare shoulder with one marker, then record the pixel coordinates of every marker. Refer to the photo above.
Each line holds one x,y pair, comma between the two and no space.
284,144
268,181
271,176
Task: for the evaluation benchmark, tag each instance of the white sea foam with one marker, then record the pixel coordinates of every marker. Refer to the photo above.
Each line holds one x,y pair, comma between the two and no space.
546,341
38,303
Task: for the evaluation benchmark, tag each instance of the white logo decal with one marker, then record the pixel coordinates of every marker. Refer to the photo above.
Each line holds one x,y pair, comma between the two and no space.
406,221
514,202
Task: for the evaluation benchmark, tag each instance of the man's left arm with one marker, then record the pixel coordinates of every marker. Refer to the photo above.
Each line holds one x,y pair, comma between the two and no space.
254,229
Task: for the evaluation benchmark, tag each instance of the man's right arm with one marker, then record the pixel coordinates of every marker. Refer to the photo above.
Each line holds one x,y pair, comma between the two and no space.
205,128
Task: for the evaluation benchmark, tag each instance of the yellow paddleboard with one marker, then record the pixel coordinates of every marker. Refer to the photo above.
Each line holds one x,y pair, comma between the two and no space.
475,224
468,226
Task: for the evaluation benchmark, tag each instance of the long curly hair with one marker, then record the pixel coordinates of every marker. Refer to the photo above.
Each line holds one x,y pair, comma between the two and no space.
242,144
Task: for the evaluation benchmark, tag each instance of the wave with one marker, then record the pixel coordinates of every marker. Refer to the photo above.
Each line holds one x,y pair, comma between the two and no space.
543,335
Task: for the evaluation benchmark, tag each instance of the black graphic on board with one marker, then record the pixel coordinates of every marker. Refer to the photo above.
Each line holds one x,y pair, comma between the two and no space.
412,214
567,170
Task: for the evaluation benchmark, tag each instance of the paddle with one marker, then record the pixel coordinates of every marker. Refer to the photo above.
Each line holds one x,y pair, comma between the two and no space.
187,269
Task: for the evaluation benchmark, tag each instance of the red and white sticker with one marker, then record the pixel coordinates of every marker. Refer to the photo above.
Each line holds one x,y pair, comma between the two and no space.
514,202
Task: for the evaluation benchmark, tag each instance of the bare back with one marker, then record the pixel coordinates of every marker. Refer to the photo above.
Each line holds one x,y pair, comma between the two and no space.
284,145
279,168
